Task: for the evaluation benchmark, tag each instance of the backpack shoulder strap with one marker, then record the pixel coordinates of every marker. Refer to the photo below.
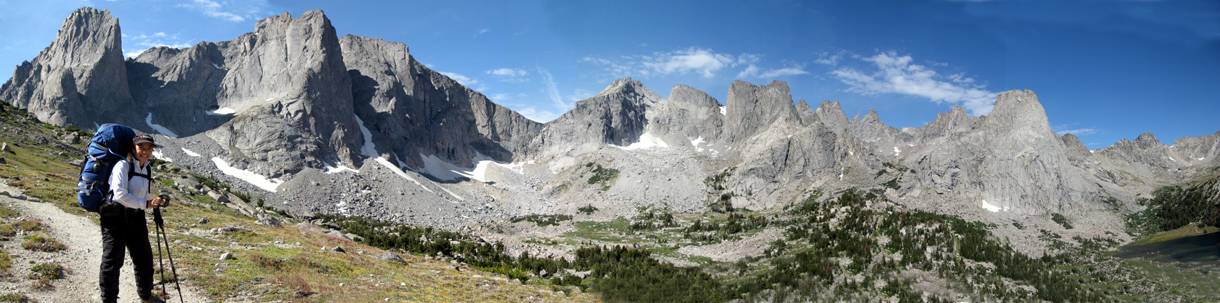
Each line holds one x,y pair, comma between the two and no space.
131,172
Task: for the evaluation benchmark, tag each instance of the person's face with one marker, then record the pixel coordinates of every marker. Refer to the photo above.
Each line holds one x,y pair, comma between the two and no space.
144,151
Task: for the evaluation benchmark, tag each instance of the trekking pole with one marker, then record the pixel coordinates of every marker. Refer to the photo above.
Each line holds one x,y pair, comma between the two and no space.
174,269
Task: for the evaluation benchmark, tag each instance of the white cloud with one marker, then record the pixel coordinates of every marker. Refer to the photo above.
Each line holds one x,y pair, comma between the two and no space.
703,61
828,59
233,11
482,31
514,75
896,74
580,94
537,115
143,42
499,98
753,71
468,82
552,90
1065,129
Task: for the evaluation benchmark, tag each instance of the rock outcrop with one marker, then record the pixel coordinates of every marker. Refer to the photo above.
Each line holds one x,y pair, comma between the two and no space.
752,109
688,112
292,99
413,111
617,116
79,77
1010,159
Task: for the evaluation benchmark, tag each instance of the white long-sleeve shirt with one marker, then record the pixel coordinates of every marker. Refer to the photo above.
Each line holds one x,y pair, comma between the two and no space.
133,193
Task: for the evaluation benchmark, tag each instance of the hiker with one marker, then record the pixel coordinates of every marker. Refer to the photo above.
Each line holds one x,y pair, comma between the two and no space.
123,223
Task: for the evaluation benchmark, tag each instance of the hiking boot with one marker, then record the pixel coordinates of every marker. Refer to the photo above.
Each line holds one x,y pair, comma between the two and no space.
153,299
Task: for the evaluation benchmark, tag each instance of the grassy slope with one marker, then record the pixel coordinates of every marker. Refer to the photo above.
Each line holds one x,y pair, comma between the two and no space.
270,264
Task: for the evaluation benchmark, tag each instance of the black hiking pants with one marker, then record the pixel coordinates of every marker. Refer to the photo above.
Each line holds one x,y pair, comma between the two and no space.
130,233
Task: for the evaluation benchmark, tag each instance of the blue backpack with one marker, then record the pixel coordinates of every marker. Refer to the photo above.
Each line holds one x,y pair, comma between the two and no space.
109,145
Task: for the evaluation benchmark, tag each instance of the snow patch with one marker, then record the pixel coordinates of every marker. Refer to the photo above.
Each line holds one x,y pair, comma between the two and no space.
250,177
696,143
190,153
221,111
480,170
399,172
160,129
1201,159
647,140
330,170
442,170
158,155
724,110
897,151
216,66
369,149
993,208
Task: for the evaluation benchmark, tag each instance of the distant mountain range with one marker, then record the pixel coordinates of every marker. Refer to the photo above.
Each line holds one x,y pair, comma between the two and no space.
299,112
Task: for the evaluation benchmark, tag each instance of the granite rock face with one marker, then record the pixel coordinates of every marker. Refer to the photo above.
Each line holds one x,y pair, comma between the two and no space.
280,96
752,109
413,111
79,77
688,112
617,116
293,101
1009,159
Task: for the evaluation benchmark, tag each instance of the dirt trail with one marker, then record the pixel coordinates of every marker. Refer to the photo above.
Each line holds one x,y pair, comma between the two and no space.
82,257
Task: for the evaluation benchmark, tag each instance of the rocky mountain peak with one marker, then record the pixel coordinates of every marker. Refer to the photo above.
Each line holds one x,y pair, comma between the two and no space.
689,112
751,108
1020,111
831,115
1146,141
82,69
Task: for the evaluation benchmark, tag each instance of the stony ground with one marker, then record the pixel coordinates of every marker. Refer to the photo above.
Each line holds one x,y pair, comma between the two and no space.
82,257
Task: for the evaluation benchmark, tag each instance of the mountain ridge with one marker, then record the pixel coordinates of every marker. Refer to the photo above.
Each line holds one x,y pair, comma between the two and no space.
300,107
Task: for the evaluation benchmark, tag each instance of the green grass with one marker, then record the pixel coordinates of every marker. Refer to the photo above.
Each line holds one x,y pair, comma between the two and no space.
16,298
46,271
41,242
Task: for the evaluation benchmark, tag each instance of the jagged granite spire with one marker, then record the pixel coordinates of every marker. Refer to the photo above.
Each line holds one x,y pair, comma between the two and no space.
80,79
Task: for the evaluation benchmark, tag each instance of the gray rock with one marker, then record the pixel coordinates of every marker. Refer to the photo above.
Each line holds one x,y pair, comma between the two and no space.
228,229
615,116
204,221
398,95
79,77
338,249
269,221
227,256
390,257
688,112
4,147
2,161
220,198
752,109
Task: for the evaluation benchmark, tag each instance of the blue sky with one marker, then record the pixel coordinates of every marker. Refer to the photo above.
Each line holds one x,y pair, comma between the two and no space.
1104,70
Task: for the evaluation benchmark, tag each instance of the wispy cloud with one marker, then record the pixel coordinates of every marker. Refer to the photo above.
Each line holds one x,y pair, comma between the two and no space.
1067,129
514,75
468,82
542,116
136,45
552,90
896,74
826,58
701,62
753,71
482,31
233,11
